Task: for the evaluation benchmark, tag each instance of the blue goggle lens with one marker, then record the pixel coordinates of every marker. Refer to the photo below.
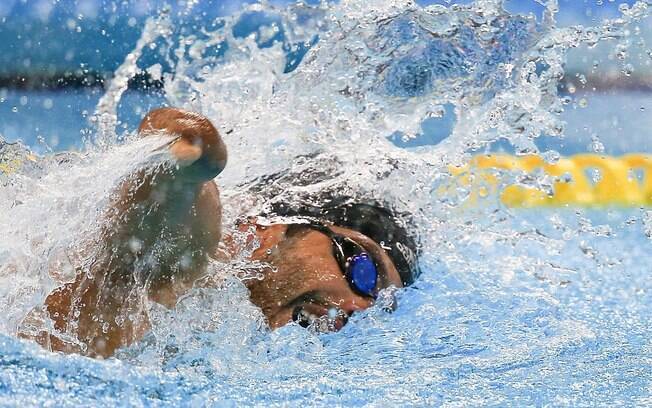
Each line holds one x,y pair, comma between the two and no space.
362,273
356,264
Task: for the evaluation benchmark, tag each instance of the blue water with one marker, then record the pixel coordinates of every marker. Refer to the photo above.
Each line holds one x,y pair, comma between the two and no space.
513,308
458,338
62,120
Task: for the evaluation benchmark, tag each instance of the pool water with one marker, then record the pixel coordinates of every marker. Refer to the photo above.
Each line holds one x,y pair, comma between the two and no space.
509,324
538,307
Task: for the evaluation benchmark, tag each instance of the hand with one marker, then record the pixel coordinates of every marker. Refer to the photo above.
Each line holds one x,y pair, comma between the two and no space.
103,307
199,149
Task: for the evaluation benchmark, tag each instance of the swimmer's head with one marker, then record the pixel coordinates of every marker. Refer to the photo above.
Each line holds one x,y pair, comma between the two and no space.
310,244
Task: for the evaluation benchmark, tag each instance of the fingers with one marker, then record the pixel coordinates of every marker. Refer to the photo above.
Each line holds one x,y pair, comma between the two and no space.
199,147
185,152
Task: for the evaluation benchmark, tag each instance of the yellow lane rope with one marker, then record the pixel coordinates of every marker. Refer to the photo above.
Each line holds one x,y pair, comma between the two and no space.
581,180
587,180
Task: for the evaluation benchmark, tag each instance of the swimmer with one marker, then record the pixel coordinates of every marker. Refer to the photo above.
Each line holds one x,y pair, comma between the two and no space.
163,226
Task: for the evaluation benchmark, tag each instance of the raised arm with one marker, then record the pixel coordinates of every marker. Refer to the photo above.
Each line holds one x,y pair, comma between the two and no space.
174,211
158,231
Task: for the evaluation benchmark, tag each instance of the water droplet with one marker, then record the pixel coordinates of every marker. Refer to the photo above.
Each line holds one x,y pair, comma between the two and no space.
436,112
60,384
135,245
595,174
596,145
646,217
628,69
551,156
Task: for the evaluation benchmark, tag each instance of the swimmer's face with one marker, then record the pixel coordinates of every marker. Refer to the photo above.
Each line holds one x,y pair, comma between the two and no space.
306,283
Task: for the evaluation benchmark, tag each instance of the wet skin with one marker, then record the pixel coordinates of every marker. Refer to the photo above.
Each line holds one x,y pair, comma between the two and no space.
307,277
102,310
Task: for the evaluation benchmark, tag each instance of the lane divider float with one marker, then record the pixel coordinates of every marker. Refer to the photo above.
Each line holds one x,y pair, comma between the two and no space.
586,180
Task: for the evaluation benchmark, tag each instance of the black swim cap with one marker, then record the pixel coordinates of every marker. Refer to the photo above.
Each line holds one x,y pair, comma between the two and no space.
307,190
371,220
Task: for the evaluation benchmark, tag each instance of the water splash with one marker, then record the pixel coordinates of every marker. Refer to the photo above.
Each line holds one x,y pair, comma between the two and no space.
502,295
50,211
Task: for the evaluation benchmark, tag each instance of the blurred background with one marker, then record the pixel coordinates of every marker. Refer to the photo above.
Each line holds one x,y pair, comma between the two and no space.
57,55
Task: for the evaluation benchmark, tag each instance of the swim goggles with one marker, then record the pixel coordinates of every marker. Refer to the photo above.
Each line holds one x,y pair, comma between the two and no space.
356,263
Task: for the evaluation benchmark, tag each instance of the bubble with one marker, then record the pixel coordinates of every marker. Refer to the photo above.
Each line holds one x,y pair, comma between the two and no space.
628,69
621,52
596,145
646,218
551,156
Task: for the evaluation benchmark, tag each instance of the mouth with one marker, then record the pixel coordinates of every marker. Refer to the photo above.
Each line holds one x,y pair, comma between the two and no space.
319,318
